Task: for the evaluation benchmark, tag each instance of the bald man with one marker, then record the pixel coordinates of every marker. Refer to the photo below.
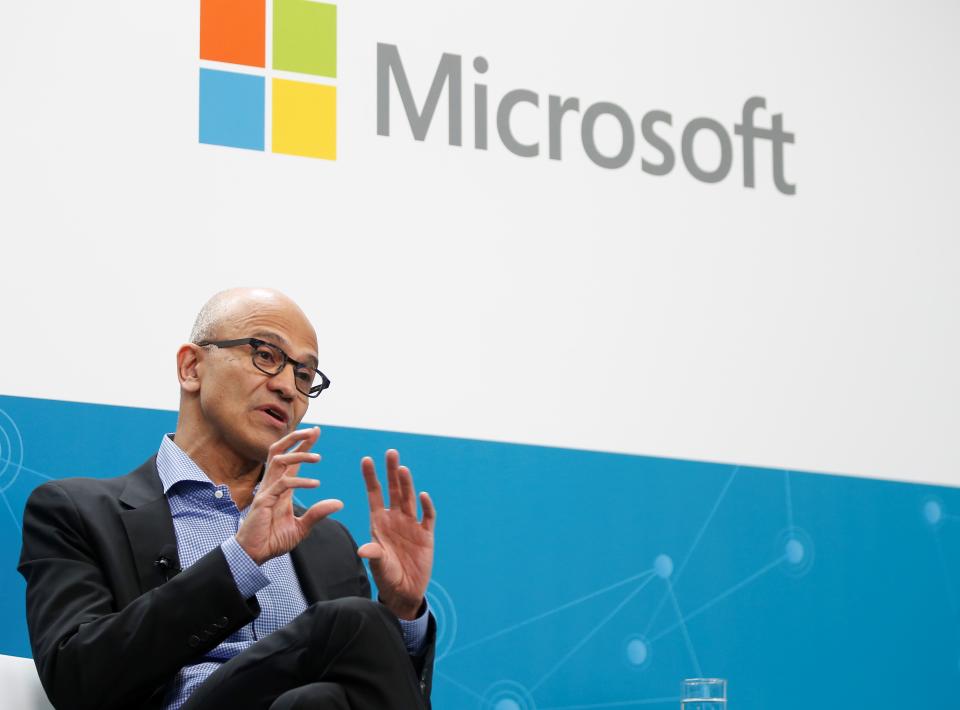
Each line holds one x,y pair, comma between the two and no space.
195,582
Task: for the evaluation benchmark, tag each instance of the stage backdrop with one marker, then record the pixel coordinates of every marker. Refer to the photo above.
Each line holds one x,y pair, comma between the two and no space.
658,300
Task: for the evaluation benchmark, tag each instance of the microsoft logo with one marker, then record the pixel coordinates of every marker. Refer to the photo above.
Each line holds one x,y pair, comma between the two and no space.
287,107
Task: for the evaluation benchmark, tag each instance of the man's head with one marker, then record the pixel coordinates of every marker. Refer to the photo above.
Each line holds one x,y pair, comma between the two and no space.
227,404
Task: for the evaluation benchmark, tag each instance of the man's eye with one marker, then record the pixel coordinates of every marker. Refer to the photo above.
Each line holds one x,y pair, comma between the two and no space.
266,356
305,376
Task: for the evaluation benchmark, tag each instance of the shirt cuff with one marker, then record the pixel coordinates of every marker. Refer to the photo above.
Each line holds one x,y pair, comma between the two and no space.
245,571
415,631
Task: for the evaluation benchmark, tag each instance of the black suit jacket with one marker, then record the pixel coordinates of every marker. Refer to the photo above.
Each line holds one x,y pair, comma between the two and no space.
107,627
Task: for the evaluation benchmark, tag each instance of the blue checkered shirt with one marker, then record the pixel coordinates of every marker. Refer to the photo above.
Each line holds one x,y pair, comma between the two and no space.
205,517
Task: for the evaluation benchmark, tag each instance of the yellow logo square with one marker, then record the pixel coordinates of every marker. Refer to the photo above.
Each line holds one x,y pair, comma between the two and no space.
304,119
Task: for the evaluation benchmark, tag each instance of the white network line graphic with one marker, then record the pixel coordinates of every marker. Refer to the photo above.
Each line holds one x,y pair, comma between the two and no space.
16,521
795,554
551,612
591,633
686,634
3,493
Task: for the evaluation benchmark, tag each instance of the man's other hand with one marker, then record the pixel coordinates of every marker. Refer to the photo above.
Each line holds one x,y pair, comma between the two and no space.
401,552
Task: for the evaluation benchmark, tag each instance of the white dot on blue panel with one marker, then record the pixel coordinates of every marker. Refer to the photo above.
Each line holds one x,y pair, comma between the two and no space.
663,566
507,695
932,512
637,652
796,550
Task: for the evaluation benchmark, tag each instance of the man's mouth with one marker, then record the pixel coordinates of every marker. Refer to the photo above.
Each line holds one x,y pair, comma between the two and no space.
276,413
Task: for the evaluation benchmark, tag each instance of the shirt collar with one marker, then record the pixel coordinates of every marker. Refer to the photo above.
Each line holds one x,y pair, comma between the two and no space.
174,466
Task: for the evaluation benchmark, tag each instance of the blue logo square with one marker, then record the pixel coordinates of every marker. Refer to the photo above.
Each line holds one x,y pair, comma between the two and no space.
231,109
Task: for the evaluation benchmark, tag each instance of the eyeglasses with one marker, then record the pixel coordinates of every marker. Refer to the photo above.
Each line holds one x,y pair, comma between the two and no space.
271,360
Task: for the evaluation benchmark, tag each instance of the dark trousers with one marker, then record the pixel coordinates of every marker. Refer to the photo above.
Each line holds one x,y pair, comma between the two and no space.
346,654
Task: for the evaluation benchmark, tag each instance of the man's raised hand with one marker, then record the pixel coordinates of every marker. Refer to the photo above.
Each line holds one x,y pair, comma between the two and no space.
271,528
401,552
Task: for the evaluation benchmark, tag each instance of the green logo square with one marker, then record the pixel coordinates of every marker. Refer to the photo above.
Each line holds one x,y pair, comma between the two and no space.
305,37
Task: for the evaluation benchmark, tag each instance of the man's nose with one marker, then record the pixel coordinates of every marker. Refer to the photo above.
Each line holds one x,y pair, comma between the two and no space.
284,382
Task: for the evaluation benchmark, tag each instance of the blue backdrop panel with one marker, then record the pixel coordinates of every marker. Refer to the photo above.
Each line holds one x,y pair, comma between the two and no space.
574,579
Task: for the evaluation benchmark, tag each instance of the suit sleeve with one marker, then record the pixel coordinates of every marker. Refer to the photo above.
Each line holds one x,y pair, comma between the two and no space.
92,654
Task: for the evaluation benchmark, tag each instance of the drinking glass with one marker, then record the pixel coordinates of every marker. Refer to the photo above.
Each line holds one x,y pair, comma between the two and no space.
704,694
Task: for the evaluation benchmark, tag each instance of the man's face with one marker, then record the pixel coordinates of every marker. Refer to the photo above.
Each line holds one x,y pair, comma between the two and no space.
243,407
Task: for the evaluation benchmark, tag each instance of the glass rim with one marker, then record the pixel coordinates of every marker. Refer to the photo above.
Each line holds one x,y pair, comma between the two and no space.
704,680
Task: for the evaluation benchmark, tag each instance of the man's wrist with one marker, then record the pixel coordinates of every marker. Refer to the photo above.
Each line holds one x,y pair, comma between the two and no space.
248,548
415,632
246,572
408,611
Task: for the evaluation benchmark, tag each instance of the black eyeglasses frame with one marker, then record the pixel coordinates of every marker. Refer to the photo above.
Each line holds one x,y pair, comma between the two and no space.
255,343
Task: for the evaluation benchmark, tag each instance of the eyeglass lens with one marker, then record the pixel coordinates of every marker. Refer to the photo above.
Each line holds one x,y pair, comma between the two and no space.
270,359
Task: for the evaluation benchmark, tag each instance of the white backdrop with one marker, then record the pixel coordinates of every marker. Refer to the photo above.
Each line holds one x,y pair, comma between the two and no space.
479,294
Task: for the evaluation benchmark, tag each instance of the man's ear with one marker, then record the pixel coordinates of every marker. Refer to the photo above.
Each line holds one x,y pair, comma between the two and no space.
189,360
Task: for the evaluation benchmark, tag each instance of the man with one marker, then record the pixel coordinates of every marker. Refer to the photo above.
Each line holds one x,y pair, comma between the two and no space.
193,582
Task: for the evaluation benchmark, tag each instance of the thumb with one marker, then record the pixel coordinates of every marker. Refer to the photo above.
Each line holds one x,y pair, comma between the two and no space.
318,511
370,551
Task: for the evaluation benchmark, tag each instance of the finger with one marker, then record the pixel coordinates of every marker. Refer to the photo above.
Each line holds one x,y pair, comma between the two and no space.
288,483
374,491
408,497
289,464
281,490
393,480
318,511
294,437
429,512
370,551
306,442
286,465
306,437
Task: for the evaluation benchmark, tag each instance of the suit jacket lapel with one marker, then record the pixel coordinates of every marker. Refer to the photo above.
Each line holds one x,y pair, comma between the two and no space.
149,527
149,524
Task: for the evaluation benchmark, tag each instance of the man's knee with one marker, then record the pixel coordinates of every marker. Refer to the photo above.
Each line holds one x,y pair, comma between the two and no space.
357,607
358,614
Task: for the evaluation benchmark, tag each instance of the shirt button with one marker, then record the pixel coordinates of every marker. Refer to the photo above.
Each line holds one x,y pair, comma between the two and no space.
193,641
218,494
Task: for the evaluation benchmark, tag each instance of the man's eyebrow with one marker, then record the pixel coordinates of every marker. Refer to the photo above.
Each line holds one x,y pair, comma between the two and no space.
278,339
269,335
